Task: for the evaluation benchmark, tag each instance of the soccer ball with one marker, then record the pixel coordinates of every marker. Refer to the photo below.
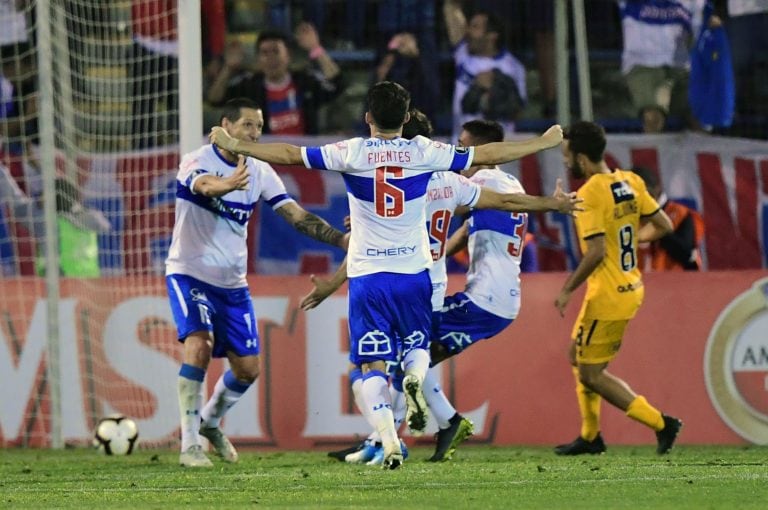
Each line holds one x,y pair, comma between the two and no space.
115,435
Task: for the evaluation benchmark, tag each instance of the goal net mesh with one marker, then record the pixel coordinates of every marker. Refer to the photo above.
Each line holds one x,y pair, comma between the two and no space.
115,97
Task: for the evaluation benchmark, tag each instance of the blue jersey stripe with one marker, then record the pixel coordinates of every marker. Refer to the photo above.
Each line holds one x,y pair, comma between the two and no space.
362,187
233,211
496,221
460,159
278,198
315,158
658,12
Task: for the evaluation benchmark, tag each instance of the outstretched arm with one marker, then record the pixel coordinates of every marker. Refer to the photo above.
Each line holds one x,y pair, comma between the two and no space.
455,21
497,153
312,225
279,153
324,288
565,203
457,241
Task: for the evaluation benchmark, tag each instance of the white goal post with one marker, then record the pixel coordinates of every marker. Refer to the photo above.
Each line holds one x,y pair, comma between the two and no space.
97,101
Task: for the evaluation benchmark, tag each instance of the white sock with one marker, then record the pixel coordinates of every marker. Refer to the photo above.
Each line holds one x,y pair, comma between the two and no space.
377,399
190,392
416,363
438,403
227,392
357,392
398,406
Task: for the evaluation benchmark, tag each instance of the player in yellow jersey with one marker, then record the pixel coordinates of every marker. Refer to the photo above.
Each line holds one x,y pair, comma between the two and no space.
618,214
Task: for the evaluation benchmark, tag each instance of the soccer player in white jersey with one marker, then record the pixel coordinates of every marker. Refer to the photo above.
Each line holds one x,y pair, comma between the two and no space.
445,193
491,298
216,192
388,258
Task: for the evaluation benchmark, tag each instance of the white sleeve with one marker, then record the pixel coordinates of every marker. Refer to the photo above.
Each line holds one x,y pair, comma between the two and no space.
439,156
333,156
190,169
272,188
467,192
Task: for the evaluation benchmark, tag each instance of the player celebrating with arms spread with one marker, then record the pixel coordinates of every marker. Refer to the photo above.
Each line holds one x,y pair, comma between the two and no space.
216,192
388,261
609,229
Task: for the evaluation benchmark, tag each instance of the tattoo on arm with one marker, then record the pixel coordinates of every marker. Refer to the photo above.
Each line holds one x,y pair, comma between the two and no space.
313,226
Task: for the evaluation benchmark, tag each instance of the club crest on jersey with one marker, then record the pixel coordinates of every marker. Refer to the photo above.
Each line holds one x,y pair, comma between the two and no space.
374,343
622,192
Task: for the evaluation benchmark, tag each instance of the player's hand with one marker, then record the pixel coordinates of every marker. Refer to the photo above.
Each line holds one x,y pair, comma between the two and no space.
221,139
553,136
567,203
344,243
348,223
562,302
241,178
322,289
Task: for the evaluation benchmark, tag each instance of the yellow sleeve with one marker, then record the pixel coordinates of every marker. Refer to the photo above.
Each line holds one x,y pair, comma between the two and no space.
591,221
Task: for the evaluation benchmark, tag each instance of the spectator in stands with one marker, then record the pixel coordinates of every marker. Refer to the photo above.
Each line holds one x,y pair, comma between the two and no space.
542,21
490,82
154,70
747,27
680,249
78,229
655,62
289,100
407,65
653,118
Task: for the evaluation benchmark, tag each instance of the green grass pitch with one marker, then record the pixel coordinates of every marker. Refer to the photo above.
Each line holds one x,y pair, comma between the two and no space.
479,477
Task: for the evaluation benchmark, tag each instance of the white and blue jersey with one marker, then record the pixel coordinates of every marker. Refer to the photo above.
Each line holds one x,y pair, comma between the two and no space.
491,299
657,32
207,260
445,192
390,310
209,235
496,240
386,184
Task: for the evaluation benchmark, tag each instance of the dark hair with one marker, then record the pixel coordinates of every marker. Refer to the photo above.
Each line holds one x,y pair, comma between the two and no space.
484,131
493,24
418,124
586,138
647,175
388,103
271,35
232,109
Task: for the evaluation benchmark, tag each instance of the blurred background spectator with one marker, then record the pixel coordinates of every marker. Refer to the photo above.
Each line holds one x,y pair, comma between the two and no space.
154,70
747,31
405,63
655,61
289,99
679,250
490,81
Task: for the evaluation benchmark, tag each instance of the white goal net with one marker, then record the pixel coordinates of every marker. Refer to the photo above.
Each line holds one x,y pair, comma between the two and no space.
103,157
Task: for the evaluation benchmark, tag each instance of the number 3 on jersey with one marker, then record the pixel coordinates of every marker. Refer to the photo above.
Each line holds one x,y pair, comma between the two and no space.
519,225
390,200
